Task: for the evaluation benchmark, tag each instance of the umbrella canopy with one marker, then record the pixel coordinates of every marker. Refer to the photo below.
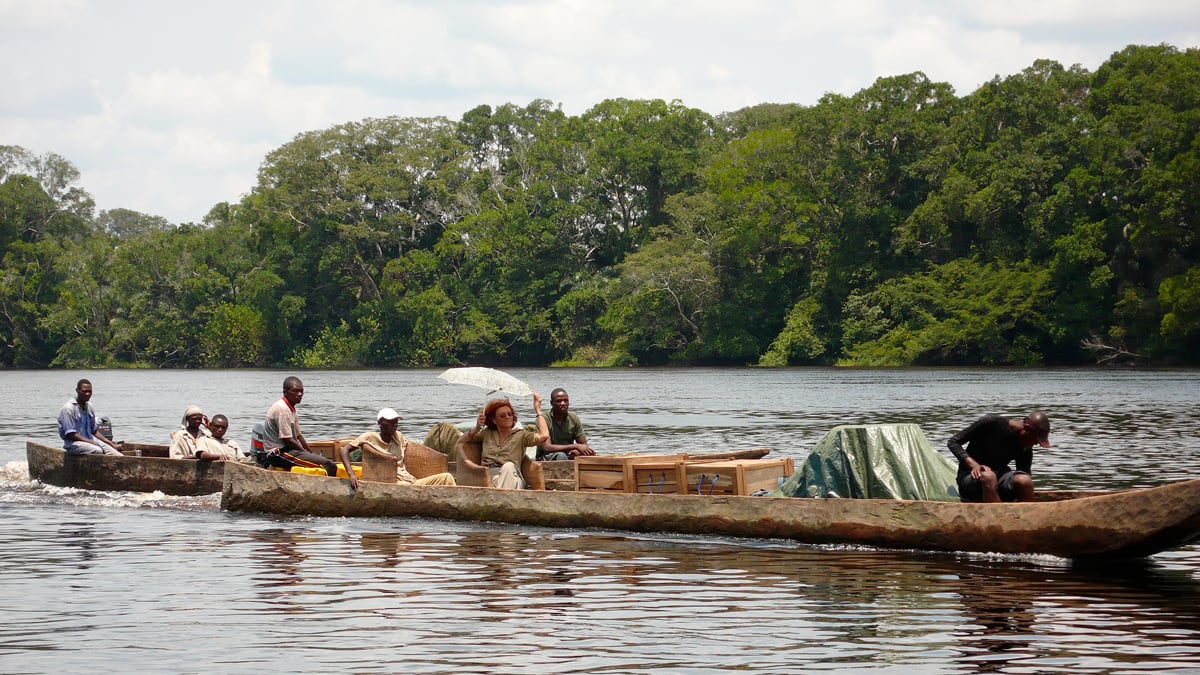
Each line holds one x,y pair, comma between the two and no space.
487,378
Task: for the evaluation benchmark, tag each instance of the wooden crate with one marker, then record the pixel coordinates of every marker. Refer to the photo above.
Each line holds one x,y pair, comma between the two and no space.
734,477
614,473
329,448
661,477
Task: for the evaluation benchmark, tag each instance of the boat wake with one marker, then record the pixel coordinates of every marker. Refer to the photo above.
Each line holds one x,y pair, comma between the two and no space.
15,472
17,488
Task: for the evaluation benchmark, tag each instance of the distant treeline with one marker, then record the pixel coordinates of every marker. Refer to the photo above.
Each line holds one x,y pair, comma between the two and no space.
1050,217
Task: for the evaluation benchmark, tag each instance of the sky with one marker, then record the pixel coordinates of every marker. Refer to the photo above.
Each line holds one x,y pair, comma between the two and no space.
169,107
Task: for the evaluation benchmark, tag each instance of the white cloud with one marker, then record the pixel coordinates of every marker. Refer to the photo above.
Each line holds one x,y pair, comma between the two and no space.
1074,12
169,109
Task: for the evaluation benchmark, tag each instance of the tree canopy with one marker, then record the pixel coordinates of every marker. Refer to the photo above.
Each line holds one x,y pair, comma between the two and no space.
1049,217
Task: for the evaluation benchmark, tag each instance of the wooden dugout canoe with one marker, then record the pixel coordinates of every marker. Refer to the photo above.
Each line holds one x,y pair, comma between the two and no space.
1125,524
145,467
150,471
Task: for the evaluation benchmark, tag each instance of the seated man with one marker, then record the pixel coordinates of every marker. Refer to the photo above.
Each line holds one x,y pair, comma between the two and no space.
389,440
185,441
79,426
566,431
284,446
217,447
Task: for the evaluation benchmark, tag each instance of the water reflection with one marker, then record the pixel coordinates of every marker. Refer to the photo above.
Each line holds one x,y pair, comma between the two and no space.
278,558
82,538
605,599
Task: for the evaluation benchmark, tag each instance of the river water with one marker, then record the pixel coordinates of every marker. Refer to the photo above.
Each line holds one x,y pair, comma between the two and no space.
129,582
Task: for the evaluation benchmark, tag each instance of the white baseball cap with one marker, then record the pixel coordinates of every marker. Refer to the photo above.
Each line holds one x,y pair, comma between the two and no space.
388,414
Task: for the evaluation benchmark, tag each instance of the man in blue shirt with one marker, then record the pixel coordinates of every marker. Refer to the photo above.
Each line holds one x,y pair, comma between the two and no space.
78,425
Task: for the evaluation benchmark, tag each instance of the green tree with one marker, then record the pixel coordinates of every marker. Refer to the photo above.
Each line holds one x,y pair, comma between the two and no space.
1144,155
962,313
640,152
234,337
43,218
660,300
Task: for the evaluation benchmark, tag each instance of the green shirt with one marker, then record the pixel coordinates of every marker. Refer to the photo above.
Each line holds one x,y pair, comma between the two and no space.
565,433
513,449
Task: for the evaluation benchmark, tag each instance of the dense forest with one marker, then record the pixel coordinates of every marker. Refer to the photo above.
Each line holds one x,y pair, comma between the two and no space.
1049,217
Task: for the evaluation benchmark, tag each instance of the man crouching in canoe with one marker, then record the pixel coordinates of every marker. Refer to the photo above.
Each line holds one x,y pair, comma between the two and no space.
992,442
389,440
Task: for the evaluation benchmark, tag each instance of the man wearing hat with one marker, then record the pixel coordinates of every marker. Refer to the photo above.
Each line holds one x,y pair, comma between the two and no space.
389,439
984,474
185,441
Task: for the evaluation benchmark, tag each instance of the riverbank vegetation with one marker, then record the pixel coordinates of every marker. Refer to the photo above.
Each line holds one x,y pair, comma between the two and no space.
1047,218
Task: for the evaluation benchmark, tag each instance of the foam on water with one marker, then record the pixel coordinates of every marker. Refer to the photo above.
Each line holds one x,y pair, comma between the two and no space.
17,488
15,472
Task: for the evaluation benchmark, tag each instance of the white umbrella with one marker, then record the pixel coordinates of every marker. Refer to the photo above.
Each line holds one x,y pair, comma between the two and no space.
487,378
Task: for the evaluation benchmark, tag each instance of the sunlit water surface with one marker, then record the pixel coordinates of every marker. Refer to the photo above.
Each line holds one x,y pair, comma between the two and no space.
128,582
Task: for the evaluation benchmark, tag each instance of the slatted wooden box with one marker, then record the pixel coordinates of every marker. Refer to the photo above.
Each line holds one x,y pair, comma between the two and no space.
329,448
615,473
662,477
734,477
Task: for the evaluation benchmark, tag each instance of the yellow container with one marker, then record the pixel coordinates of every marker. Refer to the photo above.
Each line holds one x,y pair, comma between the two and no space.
318,471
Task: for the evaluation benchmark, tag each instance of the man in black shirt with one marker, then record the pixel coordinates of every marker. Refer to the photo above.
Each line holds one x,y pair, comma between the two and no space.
984,474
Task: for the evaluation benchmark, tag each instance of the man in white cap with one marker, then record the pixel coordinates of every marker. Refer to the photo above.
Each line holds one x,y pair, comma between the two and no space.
984,474
389,439
185,441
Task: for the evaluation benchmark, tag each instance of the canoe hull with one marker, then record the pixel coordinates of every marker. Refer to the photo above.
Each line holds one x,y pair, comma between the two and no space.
53,466
1127,524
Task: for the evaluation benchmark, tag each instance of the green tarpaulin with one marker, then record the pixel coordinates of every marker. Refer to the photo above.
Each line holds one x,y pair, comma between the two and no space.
874,461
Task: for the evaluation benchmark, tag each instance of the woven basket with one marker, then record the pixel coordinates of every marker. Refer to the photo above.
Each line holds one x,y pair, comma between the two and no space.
421,461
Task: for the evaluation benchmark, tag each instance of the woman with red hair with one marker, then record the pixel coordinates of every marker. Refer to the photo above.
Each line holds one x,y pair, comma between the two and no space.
503,443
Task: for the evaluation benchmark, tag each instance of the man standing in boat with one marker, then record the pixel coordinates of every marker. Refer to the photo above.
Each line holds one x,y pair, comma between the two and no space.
567,440
284,444
984,474
79,427
389,439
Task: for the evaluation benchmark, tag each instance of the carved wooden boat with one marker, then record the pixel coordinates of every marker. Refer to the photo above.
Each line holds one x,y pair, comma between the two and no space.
145,467
1125,524
150,471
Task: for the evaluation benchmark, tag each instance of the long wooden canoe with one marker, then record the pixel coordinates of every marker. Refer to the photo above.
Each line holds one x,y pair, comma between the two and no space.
1125,524
150,471
146,468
